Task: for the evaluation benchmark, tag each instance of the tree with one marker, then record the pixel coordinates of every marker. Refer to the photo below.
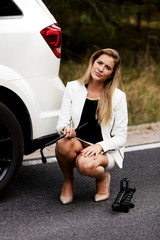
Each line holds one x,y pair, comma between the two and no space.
92,24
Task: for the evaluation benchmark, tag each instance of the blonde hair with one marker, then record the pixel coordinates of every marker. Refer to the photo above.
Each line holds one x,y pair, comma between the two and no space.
104,108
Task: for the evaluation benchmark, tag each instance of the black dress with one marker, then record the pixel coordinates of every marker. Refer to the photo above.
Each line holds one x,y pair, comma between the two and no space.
92,131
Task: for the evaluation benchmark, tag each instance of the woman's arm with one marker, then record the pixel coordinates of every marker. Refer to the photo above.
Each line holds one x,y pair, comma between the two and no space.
118,134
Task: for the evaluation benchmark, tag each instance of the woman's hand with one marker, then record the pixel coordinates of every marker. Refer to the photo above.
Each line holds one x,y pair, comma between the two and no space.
70,132
92,150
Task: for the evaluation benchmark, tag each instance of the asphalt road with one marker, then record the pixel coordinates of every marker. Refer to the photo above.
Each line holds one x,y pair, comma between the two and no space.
32,210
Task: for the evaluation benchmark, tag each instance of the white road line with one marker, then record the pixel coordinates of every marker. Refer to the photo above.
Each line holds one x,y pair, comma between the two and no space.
142,147
29,162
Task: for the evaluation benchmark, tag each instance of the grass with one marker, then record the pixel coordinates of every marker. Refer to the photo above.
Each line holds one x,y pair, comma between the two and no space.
140,81
143,96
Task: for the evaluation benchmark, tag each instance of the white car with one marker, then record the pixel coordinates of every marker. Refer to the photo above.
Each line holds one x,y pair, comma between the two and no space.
30,88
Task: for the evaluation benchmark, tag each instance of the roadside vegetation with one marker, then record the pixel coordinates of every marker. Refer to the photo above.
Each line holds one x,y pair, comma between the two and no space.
130,27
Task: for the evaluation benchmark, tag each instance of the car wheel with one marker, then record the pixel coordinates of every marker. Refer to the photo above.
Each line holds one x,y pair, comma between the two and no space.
11,148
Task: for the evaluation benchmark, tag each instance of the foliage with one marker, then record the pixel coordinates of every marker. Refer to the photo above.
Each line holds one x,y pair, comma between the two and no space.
93,24
130,26
142,86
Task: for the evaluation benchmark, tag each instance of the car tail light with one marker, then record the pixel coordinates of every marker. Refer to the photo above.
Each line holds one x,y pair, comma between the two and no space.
52,35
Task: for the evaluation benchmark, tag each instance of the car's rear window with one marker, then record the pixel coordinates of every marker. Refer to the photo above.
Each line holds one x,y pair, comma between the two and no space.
9,8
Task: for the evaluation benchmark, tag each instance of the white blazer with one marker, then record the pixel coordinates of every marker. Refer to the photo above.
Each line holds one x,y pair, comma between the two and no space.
114,133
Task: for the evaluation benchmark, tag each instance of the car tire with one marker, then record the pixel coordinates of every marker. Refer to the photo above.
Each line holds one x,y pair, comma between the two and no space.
11,148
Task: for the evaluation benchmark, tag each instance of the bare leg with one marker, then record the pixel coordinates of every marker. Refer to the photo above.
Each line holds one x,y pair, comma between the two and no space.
96,168
92,167
66,153
103,187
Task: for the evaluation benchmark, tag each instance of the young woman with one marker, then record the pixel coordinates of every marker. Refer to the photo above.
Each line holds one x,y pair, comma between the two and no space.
94,102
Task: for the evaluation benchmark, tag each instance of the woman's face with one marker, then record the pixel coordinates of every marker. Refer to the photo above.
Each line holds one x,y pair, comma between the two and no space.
102,68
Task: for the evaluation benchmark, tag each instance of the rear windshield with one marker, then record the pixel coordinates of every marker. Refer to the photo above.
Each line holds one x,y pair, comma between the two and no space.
9,8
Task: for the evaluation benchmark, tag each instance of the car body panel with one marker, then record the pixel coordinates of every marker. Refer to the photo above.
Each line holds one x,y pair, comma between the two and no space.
29,68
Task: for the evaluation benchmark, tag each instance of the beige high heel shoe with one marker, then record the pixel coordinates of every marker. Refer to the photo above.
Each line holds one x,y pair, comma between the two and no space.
99,197
66,200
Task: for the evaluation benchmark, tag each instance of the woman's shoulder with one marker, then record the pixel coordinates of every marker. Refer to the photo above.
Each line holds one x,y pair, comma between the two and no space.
75,88
118,97
74,84
118,93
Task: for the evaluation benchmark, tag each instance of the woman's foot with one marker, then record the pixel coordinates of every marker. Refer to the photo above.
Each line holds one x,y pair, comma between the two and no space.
103,188
67,192
66,200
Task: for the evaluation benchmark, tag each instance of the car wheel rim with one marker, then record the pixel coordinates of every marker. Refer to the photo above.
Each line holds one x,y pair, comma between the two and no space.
6,151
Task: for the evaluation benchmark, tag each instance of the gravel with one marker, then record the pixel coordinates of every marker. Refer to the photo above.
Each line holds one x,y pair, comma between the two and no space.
143,134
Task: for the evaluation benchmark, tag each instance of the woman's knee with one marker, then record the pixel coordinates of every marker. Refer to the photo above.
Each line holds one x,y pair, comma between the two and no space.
63,147
68,147
84,165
